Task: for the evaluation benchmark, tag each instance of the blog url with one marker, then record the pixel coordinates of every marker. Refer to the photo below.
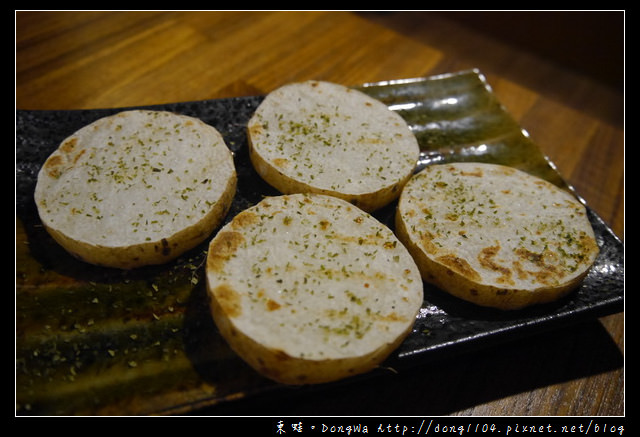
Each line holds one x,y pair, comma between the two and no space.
439,427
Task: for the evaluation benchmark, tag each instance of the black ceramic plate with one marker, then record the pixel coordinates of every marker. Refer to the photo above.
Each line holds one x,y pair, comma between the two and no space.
93,341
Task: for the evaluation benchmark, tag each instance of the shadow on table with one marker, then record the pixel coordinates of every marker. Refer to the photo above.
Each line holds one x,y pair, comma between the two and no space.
450,385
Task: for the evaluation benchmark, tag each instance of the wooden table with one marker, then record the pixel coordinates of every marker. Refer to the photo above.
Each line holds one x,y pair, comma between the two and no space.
86,60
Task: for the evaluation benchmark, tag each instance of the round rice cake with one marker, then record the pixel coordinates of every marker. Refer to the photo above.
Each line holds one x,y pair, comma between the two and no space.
136,188
494,235
308,288
326,138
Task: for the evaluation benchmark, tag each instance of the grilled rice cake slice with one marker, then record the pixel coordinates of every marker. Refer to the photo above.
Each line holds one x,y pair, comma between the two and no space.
494,235
326,138
136,188
307,288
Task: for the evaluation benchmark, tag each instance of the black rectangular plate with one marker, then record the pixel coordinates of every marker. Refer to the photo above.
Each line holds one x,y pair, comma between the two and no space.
96,341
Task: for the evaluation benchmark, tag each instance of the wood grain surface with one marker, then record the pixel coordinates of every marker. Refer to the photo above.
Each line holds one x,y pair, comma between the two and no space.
93,59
